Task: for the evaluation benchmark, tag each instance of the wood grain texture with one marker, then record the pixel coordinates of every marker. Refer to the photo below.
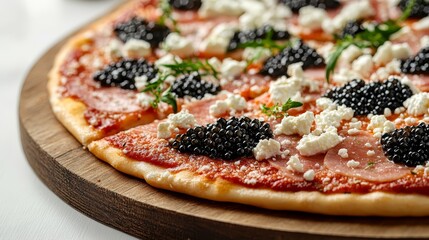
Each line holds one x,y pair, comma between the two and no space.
132,206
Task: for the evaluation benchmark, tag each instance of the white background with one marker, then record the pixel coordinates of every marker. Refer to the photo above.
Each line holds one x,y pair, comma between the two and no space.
28,209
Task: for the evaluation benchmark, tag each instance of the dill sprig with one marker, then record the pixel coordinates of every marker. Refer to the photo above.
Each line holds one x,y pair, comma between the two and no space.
167,15
278,110
204,68
156,87
369,38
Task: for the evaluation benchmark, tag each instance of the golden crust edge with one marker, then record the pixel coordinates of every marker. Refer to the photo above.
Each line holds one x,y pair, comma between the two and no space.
68,110
371,204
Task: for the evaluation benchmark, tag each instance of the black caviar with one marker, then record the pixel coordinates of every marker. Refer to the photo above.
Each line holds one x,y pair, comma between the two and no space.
241,37
141,29
295,5
185,4
277,65
407,145
192,85
351,29
419,10
225,139
122,74
371,98
418,64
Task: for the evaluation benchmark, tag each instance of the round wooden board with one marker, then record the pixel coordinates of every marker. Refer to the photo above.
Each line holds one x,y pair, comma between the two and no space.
134,207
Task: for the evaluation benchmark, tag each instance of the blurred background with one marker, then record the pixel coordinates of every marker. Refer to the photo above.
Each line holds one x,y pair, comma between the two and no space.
28,209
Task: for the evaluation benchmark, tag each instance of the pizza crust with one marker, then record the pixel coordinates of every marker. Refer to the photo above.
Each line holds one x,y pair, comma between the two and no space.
371,204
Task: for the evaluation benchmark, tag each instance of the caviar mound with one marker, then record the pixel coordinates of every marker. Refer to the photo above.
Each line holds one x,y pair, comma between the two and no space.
224,139
418,64
408,145
419,10
185,4
242,37
140,29
295,5
277,65
191,85
351,29
122,74
371,98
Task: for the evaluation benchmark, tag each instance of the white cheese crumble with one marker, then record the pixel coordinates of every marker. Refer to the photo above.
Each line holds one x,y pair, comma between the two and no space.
418,104
370,153
144,99
343,153
424,41
140,82
294,164
232,103
401,51
231,68
363,65
324,103
333,116
217,42
266,148
422,24
353,11
295,125
351,53
113,49
382,73
182,119
311,17
215,8
260,13
135,48
379,124
309,175
310,144
352,163
384,54
345,75
178,45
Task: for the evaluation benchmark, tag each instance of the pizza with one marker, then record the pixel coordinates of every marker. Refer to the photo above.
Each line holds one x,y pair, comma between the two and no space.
315,106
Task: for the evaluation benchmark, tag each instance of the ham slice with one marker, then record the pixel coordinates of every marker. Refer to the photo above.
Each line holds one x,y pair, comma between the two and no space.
375,168
420,81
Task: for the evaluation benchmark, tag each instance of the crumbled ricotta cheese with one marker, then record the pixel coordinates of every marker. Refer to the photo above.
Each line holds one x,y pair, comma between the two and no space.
218,40
324,103
351,53
352,163
401,51
167,59
353,11
266,148
382,73
182,119
178,45
260,13
345,75
384,54
144,99
294,164
422,24
215,8
135,48
232,103
418,104
295,125
309,175
407,81
285,88
313,144
379,124
343,152
164,130
370,153
311,17
333,116
363,65
219,108
140,82
231,68
424,41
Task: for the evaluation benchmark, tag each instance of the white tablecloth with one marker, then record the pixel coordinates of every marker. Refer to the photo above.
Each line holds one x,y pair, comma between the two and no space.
28,209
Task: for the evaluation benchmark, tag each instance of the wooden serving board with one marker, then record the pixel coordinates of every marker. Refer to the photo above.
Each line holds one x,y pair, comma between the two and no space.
134,207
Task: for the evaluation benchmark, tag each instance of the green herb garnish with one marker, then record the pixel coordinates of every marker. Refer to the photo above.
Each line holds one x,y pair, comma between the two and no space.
370,165
278,110
167,15
204,68
156,88
369,38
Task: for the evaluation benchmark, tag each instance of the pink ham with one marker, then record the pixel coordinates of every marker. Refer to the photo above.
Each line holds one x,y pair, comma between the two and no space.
313,162
375,168
420,81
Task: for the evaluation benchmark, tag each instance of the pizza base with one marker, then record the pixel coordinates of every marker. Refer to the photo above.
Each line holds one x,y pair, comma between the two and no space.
371,204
